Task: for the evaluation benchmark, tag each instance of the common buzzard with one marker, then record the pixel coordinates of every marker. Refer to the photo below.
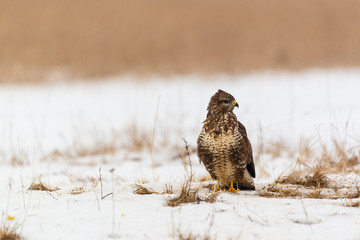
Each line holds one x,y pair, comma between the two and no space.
223,146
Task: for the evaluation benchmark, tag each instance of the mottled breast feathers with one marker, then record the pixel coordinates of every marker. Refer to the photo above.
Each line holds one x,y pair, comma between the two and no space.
223,145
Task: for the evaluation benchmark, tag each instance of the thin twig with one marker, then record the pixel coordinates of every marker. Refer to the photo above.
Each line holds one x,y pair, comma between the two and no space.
51,195
106,195
101,185
188,154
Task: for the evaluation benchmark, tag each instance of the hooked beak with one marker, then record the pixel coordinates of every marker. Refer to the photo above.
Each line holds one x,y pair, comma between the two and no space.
235,104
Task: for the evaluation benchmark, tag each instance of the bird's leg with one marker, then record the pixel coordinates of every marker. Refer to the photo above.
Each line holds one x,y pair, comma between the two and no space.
232,189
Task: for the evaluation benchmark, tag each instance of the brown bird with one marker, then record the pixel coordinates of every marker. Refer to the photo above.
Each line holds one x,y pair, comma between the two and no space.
223,146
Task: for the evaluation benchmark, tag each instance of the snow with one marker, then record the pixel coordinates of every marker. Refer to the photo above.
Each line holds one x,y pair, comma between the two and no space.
36,120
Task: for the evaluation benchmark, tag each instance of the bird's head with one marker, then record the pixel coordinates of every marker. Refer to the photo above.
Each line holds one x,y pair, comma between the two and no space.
222,102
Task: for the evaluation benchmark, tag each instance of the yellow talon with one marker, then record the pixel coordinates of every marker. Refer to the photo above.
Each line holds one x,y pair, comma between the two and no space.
232,189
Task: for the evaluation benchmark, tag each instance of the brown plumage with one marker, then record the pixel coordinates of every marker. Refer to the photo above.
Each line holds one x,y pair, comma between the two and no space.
223,146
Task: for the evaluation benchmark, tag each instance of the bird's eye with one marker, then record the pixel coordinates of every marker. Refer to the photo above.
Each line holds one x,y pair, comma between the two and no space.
225,101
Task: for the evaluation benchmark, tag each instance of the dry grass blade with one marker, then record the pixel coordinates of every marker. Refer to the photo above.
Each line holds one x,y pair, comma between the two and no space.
168,189
40,186
138,189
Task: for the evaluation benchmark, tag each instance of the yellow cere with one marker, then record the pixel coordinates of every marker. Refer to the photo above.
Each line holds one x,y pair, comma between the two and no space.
10,218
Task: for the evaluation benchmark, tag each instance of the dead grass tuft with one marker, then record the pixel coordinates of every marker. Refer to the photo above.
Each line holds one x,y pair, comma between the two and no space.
78,190
353,204
19,159
99,148
342,162
212,197
353,194
142,190
138,189
341,158
317,178
192,236
311,182
188,195
40,186
8,233
279,191
188,236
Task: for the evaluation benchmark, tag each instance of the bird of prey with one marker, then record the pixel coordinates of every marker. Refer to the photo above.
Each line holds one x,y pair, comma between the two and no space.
223,145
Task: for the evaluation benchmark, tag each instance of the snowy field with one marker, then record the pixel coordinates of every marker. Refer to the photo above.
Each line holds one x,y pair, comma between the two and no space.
134,129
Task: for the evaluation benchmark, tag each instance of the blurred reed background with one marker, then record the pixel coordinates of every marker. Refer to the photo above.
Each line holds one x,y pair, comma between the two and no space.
94,39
